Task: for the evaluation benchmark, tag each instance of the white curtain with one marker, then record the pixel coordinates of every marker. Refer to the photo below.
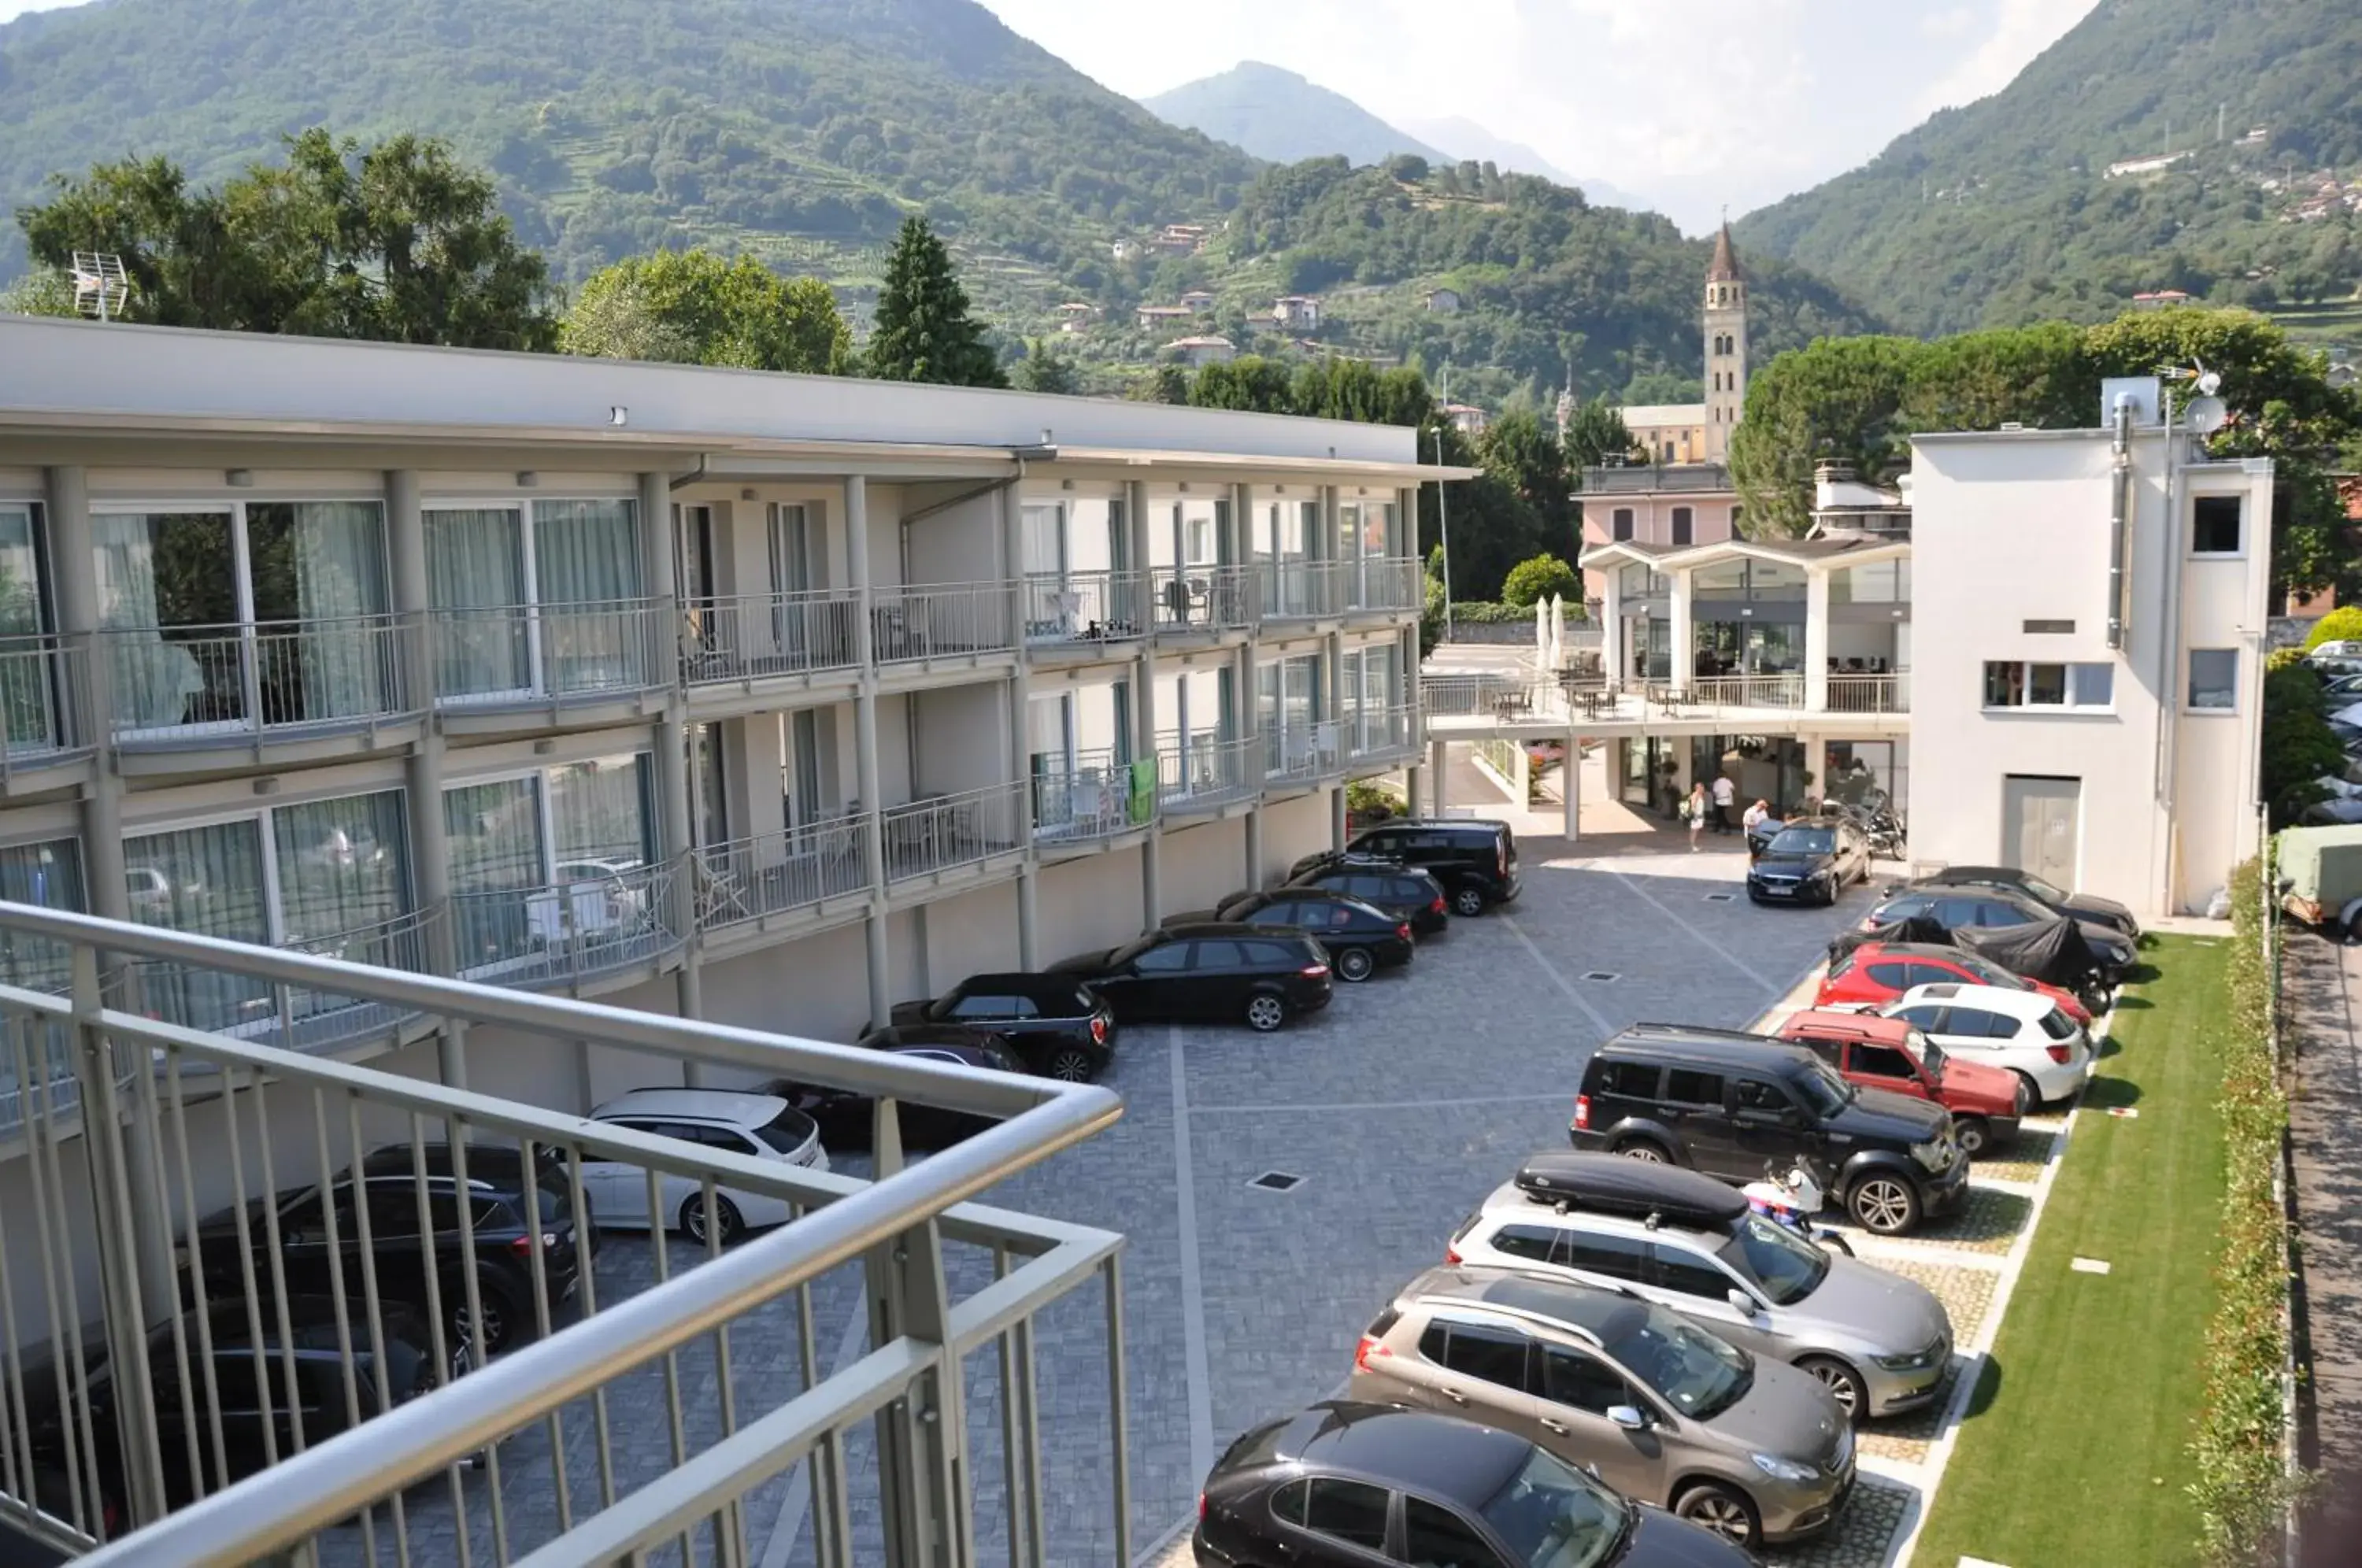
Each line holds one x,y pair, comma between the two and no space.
344,658
208,880
588,581
156,682
47,876
27,713
340,866
598,812
475,581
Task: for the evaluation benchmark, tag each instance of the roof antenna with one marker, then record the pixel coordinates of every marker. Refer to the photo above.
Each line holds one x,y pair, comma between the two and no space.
101,286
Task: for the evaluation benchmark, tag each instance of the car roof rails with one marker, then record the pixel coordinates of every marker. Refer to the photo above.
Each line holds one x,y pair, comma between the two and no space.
1628,1189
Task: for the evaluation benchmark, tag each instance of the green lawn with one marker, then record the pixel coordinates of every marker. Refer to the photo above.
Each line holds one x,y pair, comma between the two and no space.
2073,1453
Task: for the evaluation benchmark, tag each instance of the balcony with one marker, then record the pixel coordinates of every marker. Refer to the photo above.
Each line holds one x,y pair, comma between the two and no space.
534,656
1786,691
917,625
1390,583
1303,756
805,869
764,636
44,697
1205,774
1204,598
179,687
1382,734
1870,693
1476,704
1100,797
1310,590
291,1018
1083,609
566,931
929,837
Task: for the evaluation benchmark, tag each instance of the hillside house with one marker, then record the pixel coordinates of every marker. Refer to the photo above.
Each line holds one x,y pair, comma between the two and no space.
2136,168
1466,418
1198,302
1296,313
1443,302
1199,352
2160,299
1077,316
1153,316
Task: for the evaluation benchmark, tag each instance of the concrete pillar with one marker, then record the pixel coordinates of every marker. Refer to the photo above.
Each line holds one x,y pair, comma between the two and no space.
1020,700
865,743
1136,530
1143,744
1339,829
1817,642
76,584
676,785
1816,764
1329,593
1437,758
1571,786
1613,661
1415,777
1254,851
1684,667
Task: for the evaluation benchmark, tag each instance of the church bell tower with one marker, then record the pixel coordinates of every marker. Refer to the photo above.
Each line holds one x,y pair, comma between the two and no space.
1726,346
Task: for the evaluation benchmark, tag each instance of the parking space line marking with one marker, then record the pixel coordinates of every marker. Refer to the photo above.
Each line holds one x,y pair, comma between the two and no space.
1599,1020
1552,1098
1708,943
1195,1367
798,1502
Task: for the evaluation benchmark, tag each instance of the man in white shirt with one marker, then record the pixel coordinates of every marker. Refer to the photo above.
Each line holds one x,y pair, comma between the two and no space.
1726,794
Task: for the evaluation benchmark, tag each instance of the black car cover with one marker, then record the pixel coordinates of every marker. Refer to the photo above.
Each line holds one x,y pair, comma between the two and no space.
2052,950
1916,928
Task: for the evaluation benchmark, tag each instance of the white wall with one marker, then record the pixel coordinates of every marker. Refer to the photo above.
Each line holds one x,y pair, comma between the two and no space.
962,542
962,737
1087,904
1293,829
1204,865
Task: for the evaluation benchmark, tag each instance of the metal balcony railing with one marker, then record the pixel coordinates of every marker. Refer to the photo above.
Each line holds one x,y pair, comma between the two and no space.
944,833
525,655
292,1018
182,685
804,868
1206,774
1388,582
1084,606
926,621
44,701
275,1308
564,932
1299,756
757,635
1204,598
1750,691
1098,797
1870,694
1371,734
1299,589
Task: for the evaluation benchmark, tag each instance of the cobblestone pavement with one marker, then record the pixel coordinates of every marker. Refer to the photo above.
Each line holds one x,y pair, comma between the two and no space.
1399,1108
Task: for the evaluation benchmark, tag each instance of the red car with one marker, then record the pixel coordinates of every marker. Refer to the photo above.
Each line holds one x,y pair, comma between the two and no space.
1888,1053
1877,973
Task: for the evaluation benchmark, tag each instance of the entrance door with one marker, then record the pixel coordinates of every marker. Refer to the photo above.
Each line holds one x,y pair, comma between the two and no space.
2039,826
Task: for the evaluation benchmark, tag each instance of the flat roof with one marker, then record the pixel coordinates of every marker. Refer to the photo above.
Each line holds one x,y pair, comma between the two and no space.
92,379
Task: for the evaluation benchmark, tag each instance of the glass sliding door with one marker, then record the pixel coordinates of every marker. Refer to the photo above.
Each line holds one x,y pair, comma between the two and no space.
211,880
28,692
47,876
498,860
169,603
324,645
586,582
476,578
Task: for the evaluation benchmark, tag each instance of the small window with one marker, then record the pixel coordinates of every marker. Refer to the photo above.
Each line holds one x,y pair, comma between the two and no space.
2011,684
1630,1080
1925,1016
981,1007
2217,525
1686,1085
2095,685
1435,1537
1268,953
1527,1242
1755,1094
1678,1270
2058,1025
1487,1354
1219,955
1351,1511
1975,1023
1575,1380
1169,958
1684,525
1893,977
2214,679
1611,1257
2050,628
1623,524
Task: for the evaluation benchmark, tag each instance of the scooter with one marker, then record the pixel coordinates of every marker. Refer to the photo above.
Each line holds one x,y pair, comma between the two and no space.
1790,1199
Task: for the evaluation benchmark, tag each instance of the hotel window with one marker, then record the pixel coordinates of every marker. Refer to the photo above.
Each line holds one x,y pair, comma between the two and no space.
1880,583
555,607
2059,687
47,874
2217,525
2214,679
557,856
1623,524
1684,525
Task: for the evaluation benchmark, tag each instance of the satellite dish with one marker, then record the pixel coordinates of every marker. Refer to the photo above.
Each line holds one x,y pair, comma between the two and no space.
2208,415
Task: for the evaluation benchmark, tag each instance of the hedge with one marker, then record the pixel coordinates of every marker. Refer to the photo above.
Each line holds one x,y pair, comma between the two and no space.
2243,1489
1480,611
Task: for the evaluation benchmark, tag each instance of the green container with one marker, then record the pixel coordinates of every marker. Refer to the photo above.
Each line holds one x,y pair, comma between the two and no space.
2322,867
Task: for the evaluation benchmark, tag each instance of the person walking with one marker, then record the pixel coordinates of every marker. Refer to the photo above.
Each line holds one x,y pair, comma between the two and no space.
1725,795
1694,809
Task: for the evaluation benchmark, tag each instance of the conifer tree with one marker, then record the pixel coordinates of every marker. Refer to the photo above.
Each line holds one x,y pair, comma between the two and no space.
925,332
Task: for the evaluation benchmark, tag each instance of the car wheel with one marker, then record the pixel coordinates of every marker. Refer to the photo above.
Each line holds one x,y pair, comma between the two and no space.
1721,1509
1885,1204
1844,1384
728,1223
1646,1151
500,1324
1354,965
1974,1135
1070,1065
1265,1012
2029,1094
1468,902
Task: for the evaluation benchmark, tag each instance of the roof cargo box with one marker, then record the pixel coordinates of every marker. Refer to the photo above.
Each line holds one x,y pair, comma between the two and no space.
1613,1184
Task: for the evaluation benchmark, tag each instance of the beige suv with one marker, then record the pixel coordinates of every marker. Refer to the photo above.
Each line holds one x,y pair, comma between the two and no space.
1656,1407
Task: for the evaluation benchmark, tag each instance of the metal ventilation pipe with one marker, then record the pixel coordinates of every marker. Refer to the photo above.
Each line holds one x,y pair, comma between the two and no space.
2120,510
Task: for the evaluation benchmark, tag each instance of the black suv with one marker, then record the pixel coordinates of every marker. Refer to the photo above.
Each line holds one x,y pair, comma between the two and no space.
1735,1105
1057,1028
1477,862
1194,974
1409,894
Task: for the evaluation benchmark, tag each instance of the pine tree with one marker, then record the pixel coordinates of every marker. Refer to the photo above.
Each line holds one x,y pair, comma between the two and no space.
925,332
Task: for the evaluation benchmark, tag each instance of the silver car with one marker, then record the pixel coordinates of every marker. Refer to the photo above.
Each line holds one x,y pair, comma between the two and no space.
1658,1408
1880,1343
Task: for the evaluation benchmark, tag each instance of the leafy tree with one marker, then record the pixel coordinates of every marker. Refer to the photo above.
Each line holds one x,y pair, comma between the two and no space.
2340,624
399,243
1661,387
925,332
1839,399
1251,383
44,292
2036,375
1594,432
1543,577
1525,453
2298,746
693,307
1044,369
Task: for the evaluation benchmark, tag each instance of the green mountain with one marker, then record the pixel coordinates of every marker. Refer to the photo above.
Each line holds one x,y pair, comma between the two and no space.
2005,210
1468,140
800,129
1281,118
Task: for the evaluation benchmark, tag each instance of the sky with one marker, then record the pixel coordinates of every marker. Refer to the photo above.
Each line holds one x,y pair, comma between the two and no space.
1693,105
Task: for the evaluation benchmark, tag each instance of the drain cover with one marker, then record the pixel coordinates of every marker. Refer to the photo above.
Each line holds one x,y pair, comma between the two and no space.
1719,897
1276,1181
1599,975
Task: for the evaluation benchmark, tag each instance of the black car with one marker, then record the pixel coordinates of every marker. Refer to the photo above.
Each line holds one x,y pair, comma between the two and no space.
2087,908
847,1119
1734,1106
1405,892
1810,859
1360,939
1955,909
1057,1028
1477,862
496,1214
1346,1485
257,1416
1194,974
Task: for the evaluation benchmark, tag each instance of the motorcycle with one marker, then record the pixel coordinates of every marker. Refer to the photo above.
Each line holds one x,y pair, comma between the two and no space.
1790,1200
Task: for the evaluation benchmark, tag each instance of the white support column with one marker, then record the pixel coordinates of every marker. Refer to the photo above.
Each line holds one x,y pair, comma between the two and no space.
1415,779
1144,715
1571,786
1816,641
865,743
1020,699
1436,766
1685,666
1816,764
1137,531
1612,658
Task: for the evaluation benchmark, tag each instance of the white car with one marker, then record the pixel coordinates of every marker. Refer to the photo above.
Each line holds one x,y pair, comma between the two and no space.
2023,1032
762,1125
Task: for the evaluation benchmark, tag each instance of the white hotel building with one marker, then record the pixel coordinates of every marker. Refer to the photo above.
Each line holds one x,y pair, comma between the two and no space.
769,699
